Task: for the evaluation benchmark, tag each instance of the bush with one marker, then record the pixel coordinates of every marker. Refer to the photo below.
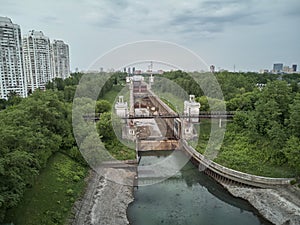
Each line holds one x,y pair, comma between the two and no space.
292,182
80,173
70,192
76,178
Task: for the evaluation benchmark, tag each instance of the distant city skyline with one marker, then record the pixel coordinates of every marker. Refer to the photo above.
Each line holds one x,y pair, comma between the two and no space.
230,34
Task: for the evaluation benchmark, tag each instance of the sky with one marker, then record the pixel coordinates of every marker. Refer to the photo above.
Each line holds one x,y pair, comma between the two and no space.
247,35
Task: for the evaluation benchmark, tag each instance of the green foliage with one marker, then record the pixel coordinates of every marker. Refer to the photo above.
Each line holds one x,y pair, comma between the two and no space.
292,182
111,95
119,151
3,104
243,102
185,81
32,130
70,192
13,99
112,144
35,128
56,181
262,139
294,120
104,127
204,105
116,79
102,106
292,152
76,178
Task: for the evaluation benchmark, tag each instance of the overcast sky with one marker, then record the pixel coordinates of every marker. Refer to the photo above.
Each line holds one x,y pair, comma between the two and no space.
250,34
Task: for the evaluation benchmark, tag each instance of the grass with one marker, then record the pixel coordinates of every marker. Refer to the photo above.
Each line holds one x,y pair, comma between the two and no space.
259,168
52,196
116,148
245,157
112,94
120,151
174,102
203,130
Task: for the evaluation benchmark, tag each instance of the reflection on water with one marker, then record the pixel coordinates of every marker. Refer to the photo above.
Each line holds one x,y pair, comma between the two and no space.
189,197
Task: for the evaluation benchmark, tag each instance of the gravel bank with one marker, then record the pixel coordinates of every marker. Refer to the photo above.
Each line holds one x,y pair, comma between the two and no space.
281,206
105,202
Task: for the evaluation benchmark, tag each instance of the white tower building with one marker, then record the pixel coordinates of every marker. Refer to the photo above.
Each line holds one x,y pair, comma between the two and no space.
121,107
12,77
192,108
61,61
37,60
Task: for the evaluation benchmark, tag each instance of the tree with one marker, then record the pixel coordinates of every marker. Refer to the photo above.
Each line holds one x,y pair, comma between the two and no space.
204,106
280,92
294,120
17,170
13,99
3,104
102,106
104,126
242,102
69,93
292,152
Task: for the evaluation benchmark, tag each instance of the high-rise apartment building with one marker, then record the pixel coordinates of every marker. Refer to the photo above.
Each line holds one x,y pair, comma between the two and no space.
278,67
37,60
12,79
61,61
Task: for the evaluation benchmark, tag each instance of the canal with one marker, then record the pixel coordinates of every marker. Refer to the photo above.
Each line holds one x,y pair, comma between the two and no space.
188,198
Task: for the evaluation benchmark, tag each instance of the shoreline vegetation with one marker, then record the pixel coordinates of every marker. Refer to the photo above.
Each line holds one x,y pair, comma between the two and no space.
51,197
263,141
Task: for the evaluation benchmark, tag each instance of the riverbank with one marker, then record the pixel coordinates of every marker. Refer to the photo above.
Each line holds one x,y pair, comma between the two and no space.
105,202
52,195
280,205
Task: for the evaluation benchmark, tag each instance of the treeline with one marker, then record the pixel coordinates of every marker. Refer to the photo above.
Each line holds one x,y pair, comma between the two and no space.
35,128
267,126
264,137
32,130
232,84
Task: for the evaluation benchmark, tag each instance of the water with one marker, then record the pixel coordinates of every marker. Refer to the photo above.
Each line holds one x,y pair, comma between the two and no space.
189,197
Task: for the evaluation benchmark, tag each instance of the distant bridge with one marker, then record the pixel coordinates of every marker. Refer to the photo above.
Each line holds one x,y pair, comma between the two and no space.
214,114
203,114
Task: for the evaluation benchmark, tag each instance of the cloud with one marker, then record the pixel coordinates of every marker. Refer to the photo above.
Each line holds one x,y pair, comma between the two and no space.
214,16
51,19
203,17
199,24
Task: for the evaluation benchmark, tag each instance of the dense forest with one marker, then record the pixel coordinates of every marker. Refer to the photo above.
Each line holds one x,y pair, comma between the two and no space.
34,129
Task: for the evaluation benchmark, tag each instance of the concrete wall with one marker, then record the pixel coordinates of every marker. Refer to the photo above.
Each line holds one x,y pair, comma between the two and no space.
150,145
237,176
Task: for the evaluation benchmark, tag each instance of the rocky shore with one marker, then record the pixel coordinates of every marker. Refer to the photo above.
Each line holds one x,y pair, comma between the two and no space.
280,205
105,202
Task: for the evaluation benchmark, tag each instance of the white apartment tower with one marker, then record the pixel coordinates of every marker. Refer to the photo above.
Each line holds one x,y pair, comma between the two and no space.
12,79
61,61
37,60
